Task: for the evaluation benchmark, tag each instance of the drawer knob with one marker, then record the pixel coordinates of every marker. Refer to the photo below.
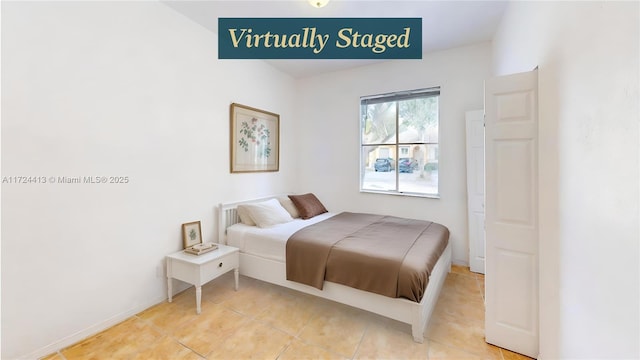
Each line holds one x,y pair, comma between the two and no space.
220,265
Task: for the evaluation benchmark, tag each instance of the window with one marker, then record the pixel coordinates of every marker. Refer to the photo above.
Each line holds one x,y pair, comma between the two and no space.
399,143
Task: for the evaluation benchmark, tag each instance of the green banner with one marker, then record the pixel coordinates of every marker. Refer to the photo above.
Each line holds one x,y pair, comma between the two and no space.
319,38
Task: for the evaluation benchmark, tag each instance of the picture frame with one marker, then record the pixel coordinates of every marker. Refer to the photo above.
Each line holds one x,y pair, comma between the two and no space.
254,140
191,234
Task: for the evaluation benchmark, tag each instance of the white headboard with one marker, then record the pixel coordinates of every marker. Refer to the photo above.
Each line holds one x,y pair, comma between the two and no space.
227,215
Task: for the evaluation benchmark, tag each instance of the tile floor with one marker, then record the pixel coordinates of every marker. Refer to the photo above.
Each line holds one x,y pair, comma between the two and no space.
264,321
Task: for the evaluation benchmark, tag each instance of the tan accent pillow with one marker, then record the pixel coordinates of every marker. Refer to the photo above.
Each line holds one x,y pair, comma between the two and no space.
308,205
288,205
244,215
268,213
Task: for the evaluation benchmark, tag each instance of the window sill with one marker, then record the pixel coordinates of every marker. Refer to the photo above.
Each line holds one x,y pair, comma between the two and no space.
428,196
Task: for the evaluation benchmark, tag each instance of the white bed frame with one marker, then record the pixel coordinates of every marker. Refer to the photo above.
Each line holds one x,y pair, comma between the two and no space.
403,310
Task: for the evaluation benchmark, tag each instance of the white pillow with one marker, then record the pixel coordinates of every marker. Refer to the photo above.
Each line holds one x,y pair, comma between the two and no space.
288,205
245,217
268,213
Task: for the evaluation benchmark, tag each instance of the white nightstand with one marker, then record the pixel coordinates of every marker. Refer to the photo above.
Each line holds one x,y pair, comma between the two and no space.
200,269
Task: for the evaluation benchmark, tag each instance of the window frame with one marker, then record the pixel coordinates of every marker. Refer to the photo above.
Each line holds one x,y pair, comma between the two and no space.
397,97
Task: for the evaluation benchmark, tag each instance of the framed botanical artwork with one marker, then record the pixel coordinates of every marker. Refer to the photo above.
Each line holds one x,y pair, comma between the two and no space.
191,234
255,139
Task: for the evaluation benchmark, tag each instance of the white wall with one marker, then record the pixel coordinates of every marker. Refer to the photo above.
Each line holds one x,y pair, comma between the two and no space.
114,89
328,131
588,58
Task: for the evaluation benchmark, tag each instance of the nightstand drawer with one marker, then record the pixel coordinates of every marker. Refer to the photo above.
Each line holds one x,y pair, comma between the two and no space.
213,269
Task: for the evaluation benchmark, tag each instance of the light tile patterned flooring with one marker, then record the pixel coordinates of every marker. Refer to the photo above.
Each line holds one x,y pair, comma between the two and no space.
264,321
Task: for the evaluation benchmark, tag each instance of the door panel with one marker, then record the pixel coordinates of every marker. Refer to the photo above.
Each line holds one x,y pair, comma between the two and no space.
512,308
477,246
513,176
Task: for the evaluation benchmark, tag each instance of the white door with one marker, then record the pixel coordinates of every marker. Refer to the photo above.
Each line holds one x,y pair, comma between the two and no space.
511,228
475,188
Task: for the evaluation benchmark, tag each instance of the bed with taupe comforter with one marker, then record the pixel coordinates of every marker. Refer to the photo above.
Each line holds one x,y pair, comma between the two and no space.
386,255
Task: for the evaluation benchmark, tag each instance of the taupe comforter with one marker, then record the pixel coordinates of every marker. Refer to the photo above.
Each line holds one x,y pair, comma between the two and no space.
386,255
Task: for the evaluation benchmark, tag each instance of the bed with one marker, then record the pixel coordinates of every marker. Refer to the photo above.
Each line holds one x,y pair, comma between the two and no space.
263,252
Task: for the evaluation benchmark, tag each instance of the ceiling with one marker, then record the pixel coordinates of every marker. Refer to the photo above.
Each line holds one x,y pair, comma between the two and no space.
445,24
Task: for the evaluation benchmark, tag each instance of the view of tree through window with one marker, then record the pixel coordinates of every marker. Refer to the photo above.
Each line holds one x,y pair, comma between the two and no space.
399,143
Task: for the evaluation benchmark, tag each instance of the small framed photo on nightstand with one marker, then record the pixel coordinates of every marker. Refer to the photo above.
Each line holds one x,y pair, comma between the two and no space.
191,234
